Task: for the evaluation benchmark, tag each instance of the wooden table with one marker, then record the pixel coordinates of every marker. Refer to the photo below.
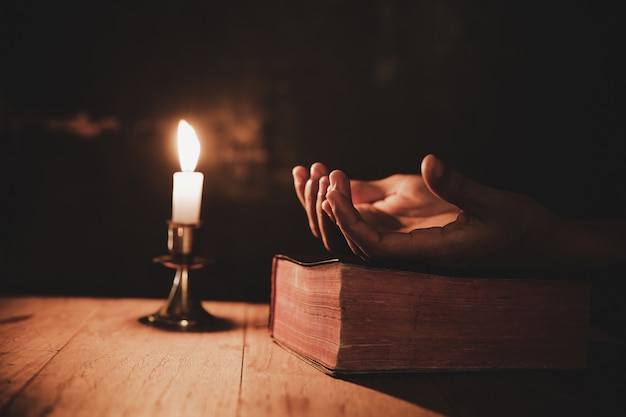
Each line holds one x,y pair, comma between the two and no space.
91,357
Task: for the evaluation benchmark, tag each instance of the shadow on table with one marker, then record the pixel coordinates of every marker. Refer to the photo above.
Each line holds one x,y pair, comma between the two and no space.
419,389
597,390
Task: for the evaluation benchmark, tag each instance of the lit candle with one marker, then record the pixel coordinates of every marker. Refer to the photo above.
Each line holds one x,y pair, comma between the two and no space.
187,191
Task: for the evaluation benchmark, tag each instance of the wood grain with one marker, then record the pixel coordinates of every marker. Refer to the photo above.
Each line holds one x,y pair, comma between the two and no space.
277,383
116,366
91,357
34,330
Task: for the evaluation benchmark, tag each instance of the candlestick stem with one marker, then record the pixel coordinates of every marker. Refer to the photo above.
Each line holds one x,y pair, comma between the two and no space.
183,311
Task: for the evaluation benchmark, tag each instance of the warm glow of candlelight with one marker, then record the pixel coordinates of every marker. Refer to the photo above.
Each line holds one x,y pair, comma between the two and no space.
188,147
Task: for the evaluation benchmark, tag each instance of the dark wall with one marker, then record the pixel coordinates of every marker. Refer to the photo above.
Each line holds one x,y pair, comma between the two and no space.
528,97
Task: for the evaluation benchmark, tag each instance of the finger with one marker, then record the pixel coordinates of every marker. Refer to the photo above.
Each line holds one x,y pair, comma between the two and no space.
456,188
332,237
325,224
340,186
339,181
311,188
354,229
347,216
328,210
322,216
300,175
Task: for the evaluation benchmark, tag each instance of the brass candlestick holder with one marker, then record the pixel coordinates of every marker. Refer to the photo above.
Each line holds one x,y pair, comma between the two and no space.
182,311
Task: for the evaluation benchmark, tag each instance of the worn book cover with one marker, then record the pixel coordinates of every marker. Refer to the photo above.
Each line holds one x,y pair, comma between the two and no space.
344,317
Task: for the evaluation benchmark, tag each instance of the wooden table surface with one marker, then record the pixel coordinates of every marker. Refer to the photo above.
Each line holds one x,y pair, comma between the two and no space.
91,357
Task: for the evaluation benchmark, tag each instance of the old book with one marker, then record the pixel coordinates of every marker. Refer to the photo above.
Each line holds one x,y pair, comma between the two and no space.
344,317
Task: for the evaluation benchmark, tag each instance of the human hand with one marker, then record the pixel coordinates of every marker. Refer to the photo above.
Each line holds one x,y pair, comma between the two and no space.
441,218
399,203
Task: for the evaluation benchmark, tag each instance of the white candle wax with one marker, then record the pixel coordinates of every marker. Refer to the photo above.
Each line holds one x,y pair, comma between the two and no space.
187,187
187,197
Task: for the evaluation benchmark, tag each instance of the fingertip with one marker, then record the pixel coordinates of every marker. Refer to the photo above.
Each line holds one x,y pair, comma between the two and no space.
454,187
432,167
338,178
299,173
426,161
318,170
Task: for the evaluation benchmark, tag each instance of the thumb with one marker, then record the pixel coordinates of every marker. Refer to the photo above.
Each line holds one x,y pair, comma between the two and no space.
450,185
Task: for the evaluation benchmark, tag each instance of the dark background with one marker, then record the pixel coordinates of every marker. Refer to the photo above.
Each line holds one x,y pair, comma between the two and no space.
527,96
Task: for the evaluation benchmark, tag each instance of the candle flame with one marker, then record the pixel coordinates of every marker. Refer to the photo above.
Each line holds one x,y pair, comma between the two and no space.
188,147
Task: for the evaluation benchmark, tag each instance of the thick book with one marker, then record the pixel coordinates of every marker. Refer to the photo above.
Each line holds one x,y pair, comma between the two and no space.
344,318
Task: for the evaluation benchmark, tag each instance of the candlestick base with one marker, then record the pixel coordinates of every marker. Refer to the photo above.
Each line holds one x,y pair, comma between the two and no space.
182,311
